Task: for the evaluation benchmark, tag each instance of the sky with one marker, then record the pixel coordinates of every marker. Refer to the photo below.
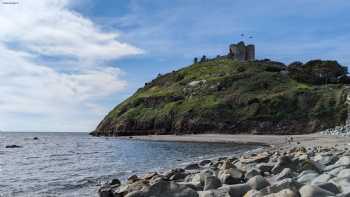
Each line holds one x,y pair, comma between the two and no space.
64,64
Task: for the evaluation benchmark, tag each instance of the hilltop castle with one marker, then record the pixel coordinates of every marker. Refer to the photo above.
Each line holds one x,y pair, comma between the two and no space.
242,52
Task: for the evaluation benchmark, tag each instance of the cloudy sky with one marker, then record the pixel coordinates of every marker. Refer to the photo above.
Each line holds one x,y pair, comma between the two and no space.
65,63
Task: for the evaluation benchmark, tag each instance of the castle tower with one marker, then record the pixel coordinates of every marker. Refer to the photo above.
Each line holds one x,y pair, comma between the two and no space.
241,52
250,53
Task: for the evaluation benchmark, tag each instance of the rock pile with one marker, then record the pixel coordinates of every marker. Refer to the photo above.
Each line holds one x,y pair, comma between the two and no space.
338,130
277,172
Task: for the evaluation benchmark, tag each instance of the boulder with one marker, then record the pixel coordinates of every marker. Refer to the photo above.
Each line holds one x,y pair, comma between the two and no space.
204,174
286,173
329,187
192,166
323,178
227,165
343,161
193,178
344,173
204,162
281,185
283,162
170,189
314,191
307,176
258,182
265,167
263,157
325,159
343,183
133,178
136,194
253,193
105,191
213,193
230,176
284,193
194,185
130,187
308,164
251,173
115,182
211,182
150,175
176,174
237,190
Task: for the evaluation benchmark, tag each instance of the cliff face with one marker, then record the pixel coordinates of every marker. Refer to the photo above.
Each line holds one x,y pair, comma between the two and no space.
228,96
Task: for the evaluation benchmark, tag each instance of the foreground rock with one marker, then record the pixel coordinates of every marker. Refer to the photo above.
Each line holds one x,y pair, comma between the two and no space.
271,172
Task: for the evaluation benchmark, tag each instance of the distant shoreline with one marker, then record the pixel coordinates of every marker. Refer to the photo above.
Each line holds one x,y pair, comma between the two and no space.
308,140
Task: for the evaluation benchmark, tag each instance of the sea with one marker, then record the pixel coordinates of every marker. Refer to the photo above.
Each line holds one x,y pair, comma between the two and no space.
75,164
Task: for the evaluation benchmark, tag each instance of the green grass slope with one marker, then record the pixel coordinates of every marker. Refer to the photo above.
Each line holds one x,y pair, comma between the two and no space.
227,96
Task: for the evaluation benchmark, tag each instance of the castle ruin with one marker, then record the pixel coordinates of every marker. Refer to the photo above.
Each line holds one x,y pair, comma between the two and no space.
242,52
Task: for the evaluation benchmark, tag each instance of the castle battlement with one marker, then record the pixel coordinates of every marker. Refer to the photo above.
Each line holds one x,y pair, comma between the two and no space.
242,52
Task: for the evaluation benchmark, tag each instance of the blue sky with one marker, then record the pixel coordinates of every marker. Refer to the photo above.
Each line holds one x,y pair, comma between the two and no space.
66,63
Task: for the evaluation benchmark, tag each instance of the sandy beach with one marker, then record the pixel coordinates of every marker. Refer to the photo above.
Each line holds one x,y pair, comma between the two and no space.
269,140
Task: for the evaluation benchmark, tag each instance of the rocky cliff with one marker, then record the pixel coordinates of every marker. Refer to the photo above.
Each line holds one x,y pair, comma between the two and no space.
223,95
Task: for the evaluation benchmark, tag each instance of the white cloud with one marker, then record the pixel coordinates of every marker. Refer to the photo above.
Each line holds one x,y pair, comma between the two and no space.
32,30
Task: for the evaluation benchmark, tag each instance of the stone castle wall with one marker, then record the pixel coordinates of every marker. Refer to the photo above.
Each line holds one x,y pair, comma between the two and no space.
242,52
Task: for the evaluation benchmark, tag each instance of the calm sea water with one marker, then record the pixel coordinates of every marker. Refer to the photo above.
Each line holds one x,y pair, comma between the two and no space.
74,164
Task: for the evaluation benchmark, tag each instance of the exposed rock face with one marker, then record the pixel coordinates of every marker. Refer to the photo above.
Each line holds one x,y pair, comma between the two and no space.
228,96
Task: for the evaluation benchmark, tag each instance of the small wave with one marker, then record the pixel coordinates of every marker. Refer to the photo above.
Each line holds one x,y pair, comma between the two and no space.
88,153
60,155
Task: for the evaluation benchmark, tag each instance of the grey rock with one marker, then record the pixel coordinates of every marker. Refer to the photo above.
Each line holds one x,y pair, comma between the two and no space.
193,185
213,193
314,191
265,167
230,176
323,178
204,162
329,187
343,161
251,173
344,173
115,182
193,178
211,182
286,173
343,183
136,194
130,187
170,189
227,165
325,159
227,191
307,176
258,182
192,166
284,193
281,185
204,174
283,162
253,193
133,178
105,191
336,171
237,190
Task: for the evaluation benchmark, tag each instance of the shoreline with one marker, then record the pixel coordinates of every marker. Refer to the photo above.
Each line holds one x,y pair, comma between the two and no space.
307,140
